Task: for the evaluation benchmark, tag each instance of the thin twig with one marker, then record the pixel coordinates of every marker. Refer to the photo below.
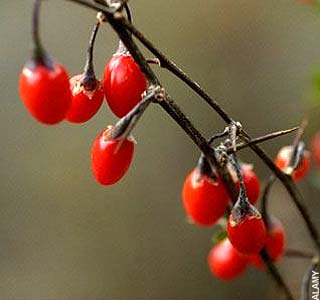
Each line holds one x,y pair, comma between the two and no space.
298,254
263,138
264,200
275,273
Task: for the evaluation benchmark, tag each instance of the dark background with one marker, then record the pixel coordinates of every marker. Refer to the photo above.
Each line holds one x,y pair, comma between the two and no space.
62,236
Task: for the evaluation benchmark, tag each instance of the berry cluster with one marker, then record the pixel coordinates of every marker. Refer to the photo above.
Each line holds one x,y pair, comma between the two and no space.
51,97
206,201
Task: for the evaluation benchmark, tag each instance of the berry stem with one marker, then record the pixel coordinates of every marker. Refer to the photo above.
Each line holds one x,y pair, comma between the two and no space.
242,193
89,80
39,55
224,133
264,201
126,124
204,168
35,25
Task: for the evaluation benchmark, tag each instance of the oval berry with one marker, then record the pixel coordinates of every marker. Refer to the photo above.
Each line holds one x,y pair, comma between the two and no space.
45,92
84,103
283,159
225,262
204,200
275,244
110,158
123,83
247,236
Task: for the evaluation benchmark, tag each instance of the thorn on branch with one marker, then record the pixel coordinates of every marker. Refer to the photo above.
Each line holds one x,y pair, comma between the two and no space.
261,139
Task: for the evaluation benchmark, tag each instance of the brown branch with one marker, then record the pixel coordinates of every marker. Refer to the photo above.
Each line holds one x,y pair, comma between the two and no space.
123,29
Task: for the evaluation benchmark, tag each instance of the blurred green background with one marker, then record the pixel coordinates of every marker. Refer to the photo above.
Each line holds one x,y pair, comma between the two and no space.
62,236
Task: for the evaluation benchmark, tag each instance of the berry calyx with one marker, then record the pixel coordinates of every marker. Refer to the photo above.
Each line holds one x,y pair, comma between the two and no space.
111,157
275,244
225,262
44,84
84,103
123,82
247,236
246,229
87,91
204,197
283,161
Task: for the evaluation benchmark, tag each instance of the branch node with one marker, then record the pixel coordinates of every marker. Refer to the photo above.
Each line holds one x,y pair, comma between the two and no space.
101,17
159,93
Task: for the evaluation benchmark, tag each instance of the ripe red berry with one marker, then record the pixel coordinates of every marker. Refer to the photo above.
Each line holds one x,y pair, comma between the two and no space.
247,235
85,102
204,199
225,262
110,158
315,148
275,244
283,159
123,83
251,182
45,92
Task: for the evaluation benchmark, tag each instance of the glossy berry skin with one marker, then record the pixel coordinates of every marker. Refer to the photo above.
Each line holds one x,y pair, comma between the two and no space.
283,158
204,200
251,182
225,262
110,160
249,235
315,148
123,83
45,92
275,244
84,103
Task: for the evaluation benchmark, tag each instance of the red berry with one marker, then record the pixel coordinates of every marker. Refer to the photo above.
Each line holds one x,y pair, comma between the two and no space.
247,235
315,148
283,159
110,158
84,103
204,200
225,262
45,92
123,83
251,182
275,244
